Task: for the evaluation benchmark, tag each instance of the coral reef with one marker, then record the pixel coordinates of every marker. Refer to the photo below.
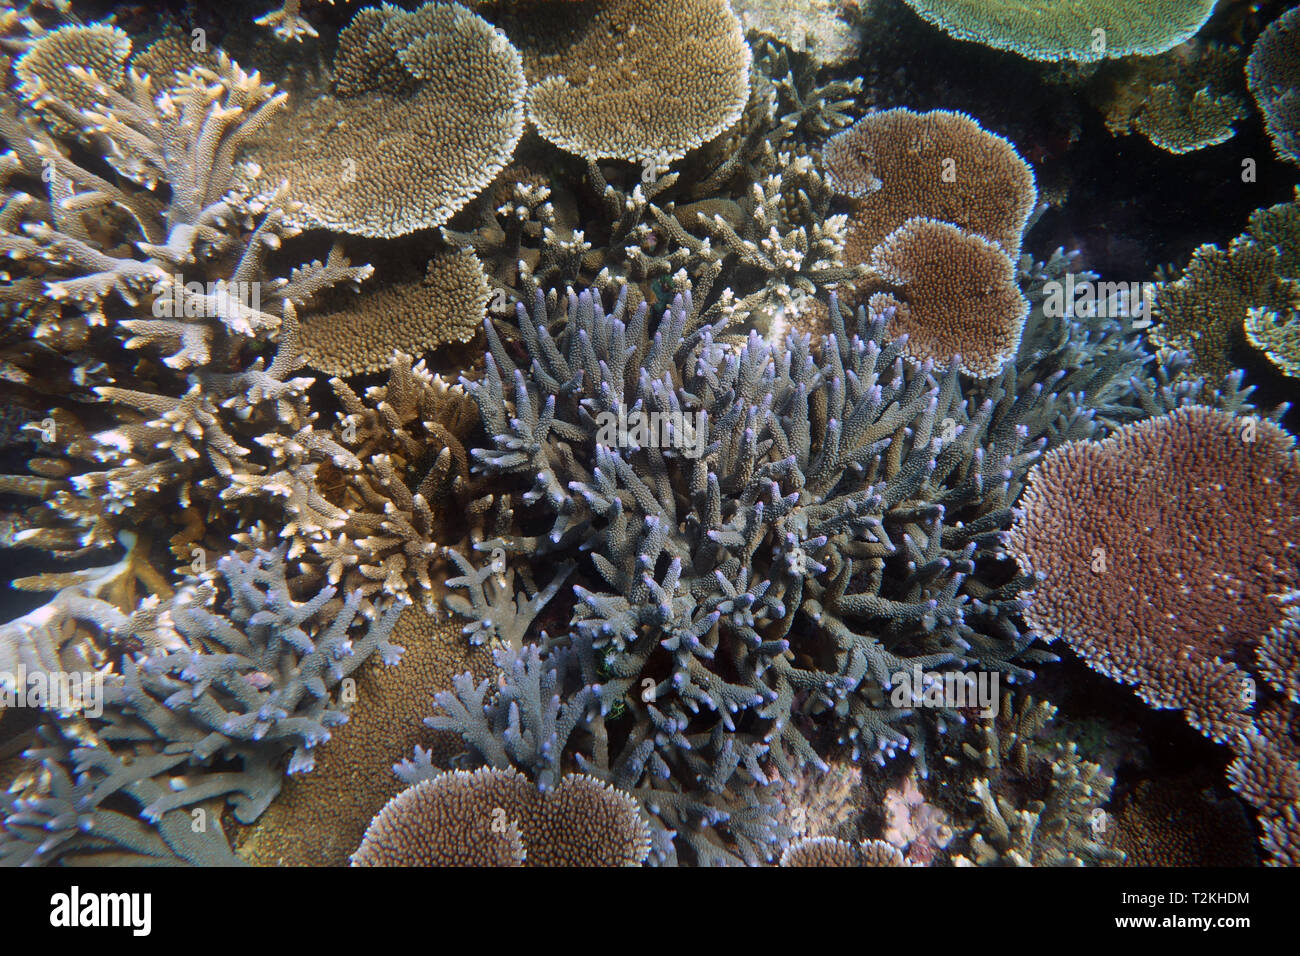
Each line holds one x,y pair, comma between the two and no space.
1253,285
702,471
320,817
243,688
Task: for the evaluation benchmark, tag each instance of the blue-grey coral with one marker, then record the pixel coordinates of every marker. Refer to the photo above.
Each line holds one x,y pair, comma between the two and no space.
797,533
216,705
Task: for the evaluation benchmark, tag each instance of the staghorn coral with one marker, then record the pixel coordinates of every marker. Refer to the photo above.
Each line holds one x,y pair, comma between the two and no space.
781,231
1163,523
952,293
286,23
446,305
320,817
635,80
1055,831
196,467
1274,80
210,710
1182,101
182,147
828,851
1010,760
745,580
495,817
1063,30
897,165
414,490
428,110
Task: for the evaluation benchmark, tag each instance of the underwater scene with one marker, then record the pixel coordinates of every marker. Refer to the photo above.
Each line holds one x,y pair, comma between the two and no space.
583,433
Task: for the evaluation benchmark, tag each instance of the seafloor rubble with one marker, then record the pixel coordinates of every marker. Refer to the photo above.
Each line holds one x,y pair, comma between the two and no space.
614,432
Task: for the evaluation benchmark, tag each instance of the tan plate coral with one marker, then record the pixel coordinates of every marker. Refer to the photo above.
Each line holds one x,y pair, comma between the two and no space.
428,110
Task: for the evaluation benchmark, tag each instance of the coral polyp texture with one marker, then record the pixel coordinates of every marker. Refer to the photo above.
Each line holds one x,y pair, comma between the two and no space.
1069,29
1160,525
642,433
636,80
428,108
954,295
498,818
1273,73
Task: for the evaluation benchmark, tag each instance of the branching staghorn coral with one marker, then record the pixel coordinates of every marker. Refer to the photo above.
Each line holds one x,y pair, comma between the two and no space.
213,711
795,538
230,450
1009,756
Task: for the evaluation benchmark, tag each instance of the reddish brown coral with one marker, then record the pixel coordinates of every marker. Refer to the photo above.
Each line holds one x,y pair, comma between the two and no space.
897,164
955,293
1163,552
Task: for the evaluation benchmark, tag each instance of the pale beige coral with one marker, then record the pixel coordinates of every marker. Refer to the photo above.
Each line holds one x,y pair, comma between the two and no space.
495,817
830,852
1055,831
386,161
48,84
447,305
414,491
819,28
638,80
952,293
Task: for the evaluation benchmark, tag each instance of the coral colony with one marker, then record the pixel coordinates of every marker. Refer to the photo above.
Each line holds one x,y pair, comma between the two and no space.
619,433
